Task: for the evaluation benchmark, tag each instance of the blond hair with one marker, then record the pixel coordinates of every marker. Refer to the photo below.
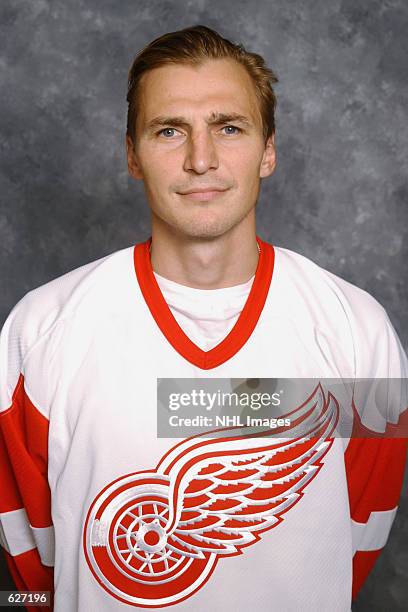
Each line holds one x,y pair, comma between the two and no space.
195,45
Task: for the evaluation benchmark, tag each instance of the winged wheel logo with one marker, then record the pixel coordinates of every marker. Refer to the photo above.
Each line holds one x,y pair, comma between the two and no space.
153,538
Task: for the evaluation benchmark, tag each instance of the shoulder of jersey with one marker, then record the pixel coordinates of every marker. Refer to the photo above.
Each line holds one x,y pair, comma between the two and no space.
88,287
329,289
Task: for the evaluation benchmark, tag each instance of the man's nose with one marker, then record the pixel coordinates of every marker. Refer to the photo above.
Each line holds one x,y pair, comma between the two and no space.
201,153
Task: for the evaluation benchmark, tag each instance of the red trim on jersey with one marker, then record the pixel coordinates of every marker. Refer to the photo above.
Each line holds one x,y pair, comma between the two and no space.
363,562
375,465
24,459
24,484
164,318
375,471
37,577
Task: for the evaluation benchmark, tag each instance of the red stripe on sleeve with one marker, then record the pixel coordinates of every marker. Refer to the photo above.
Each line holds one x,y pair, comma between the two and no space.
37,577
375,470
363,562
10,498
24,459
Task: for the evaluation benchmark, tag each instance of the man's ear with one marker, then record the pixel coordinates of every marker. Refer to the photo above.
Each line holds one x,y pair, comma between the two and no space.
268,162
133,164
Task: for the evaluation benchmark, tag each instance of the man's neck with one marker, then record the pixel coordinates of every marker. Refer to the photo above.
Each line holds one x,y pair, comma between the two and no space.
225,261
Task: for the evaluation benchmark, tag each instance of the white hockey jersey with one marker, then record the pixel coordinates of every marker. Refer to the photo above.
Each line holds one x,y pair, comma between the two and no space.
98,509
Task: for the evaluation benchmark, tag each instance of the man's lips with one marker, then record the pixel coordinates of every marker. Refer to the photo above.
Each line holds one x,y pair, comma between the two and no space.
204,194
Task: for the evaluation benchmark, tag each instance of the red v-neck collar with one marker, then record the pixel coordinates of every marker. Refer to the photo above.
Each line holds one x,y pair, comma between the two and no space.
164,318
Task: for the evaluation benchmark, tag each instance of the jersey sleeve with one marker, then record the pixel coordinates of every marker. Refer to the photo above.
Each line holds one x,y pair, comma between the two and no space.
375,458
26,531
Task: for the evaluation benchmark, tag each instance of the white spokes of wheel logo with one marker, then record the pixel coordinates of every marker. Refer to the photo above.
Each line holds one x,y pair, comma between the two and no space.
140,541
129,550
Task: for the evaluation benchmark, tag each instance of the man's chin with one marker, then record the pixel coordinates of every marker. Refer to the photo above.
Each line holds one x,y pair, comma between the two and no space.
198,220
203,230
204,233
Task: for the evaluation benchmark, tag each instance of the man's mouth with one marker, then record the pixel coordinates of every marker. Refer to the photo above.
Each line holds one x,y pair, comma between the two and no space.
204,194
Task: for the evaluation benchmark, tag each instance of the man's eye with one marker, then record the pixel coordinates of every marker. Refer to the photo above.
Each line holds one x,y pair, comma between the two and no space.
165,132
232,127
169,132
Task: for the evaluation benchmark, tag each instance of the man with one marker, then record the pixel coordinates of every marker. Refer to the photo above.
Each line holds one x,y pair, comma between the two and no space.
96,506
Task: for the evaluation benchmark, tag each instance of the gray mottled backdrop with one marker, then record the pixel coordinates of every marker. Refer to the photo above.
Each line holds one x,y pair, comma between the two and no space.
338,195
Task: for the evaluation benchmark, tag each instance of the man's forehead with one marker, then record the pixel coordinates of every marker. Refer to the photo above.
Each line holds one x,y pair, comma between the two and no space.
219,86
215,71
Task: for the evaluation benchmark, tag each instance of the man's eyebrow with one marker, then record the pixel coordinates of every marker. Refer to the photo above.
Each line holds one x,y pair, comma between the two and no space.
213,119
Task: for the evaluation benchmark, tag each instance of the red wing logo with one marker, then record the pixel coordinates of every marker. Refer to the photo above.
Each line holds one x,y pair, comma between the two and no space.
153,538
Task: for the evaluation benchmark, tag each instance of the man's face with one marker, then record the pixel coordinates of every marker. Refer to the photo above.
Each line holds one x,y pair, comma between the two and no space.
200,128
